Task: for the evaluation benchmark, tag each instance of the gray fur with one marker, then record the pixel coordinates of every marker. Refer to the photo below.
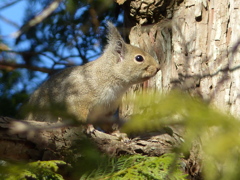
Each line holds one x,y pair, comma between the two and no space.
91,93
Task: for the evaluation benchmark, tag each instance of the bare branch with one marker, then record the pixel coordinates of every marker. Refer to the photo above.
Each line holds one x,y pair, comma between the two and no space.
37,19
9,4
12,66
9,21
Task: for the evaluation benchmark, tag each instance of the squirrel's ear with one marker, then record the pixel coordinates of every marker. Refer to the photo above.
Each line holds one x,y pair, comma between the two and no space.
115,40
113,34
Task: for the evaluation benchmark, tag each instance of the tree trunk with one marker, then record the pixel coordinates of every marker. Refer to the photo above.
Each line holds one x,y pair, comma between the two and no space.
198,49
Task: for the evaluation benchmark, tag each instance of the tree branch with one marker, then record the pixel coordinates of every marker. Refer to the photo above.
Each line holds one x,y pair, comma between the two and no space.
6,5
12,66
9,21
55,136
37,19
28,139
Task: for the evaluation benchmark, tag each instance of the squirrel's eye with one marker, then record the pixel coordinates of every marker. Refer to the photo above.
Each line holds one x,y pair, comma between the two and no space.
139,58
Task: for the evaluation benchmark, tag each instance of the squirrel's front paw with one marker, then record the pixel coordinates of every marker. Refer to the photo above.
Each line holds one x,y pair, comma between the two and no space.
89,129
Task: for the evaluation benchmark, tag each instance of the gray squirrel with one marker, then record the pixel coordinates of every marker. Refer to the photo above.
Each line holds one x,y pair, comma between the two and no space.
91,93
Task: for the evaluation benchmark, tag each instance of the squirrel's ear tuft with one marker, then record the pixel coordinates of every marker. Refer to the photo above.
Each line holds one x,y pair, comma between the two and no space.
115,40
113,34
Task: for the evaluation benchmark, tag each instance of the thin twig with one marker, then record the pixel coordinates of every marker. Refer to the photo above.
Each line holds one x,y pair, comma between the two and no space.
12,66
6,5
37,19
8,21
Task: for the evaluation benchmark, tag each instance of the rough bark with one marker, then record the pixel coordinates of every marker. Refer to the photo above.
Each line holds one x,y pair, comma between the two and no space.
32,140
198,50
205,47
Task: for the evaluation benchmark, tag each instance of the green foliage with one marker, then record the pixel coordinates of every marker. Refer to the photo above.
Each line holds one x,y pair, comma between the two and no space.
139,167
87,158
218,132
10,96
69,36
36,170
94,165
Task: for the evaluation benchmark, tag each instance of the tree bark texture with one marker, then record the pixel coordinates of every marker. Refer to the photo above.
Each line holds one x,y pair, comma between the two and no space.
32,140
198,50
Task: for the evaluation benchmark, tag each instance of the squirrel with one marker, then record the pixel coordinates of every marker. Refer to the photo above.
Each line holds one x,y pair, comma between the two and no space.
91,93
